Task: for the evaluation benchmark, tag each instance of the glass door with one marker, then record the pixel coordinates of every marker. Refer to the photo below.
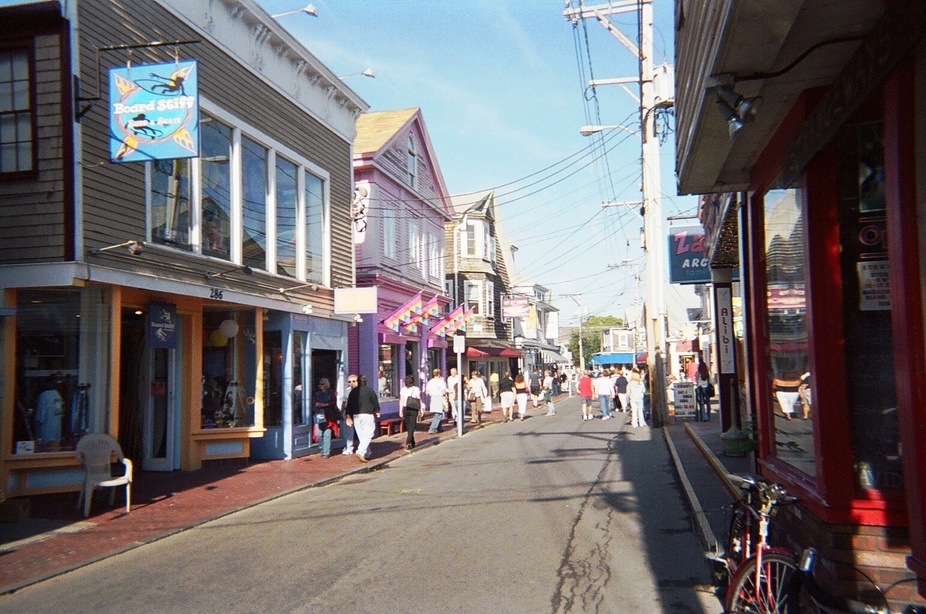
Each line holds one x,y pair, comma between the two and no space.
160,412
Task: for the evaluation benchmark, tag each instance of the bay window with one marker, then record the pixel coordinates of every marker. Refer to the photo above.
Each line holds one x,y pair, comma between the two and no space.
257,203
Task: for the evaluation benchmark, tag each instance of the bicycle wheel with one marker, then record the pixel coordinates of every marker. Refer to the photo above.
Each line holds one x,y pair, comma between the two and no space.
740,539
775,591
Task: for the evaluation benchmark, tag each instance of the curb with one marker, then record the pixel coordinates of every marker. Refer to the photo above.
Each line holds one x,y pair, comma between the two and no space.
708,539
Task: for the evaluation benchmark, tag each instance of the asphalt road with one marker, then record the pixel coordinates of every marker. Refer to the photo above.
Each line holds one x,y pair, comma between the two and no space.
553,514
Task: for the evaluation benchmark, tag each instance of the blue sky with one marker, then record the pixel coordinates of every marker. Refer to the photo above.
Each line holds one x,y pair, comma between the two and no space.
502,85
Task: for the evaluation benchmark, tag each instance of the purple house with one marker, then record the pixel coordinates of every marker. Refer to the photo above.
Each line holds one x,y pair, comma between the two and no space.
401,205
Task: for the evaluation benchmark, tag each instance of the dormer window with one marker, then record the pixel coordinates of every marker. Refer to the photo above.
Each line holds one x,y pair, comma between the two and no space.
412,164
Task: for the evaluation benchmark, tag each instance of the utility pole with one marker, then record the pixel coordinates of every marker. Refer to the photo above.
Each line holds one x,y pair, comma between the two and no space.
652,210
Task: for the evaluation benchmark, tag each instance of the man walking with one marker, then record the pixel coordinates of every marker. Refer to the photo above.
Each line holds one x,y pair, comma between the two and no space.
620,384
585,391
362,410
453,394
436,390
604,390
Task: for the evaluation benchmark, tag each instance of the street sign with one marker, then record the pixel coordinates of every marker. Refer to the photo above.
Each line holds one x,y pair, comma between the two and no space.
459,344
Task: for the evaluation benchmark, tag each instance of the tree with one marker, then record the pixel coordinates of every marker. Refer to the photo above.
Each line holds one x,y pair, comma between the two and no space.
591,335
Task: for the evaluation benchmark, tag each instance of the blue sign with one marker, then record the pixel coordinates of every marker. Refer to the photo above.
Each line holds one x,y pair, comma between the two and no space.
153,112
162,325
688,263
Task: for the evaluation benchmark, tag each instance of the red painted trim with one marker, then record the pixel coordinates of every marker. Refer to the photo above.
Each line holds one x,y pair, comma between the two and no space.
906,289
768,164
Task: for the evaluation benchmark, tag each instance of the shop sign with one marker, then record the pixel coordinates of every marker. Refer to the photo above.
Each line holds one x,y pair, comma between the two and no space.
162,325
688,263
153,112
515,306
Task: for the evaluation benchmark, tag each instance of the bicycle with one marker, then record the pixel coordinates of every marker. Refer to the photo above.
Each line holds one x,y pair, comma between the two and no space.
832,604
759,577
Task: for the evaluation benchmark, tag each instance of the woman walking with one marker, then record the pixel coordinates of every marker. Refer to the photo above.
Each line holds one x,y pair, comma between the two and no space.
409,407
635,391
521,392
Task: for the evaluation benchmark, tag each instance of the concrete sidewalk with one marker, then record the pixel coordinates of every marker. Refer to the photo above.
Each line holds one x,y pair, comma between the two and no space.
58,539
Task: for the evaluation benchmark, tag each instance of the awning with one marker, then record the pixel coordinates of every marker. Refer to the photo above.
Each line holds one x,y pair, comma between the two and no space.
485,351
550,357
613,358
642,357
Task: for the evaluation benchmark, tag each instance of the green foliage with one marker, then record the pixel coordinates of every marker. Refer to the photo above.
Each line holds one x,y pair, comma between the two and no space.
591,336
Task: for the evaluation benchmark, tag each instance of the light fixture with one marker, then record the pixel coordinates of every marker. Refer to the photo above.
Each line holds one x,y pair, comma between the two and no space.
309,9
590,130
313,286
735,109
358,318
134,248
244,269
363,73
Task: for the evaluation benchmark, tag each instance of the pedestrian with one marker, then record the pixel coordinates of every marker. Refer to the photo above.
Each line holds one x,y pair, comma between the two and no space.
604,390
477,395
521,391
635,392
548,393
585,391
535,387
362,412
436,389
347,428
703,387
806,395
453,394
620,385
493,385
327,416
409,406
506,393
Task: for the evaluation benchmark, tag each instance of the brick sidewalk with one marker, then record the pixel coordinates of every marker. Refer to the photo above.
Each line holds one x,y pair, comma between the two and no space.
167,503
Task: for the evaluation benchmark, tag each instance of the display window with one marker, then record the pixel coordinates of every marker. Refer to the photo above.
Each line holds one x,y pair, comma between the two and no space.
786,311
62,337
388,376
229,368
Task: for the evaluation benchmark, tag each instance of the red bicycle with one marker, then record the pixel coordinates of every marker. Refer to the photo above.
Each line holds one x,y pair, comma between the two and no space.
755,577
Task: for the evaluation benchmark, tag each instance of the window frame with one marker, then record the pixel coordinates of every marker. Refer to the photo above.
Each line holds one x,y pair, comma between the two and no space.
26,45
411,163
241,129
475,287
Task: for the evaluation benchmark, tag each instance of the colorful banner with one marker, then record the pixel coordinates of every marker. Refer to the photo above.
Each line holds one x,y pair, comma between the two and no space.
153,112
444,325
430,310
405,313
162,325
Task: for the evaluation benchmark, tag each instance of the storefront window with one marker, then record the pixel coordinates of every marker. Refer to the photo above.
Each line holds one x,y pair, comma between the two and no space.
866,304
62,337
387,382
789,377
301,392
229,369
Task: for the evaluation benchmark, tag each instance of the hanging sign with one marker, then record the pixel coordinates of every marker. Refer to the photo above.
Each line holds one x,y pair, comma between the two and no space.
153,112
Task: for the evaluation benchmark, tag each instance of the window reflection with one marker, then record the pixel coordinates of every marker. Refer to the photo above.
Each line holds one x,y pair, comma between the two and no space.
386,383
286,217
216,177
254,203
789,374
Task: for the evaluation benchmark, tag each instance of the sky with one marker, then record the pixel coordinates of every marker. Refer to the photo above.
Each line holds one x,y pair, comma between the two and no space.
503,89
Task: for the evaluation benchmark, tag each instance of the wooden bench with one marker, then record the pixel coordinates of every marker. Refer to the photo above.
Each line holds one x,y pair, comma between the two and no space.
391,426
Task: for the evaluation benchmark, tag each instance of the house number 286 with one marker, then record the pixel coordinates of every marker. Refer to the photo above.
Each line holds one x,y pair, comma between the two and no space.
216,294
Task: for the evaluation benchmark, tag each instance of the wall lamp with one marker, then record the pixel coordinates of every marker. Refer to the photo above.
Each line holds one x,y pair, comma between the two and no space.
134,248
311,285
736,110
244,269
309,9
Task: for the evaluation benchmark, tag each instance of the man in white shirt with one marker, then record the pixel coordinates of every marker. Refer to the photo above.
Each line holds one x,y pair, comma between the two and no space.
436,390
604,390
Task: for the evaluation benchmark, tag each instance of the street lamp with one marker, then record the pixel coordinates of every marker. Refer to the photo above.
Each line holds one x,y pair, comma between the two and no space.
308,10
363,73
590,130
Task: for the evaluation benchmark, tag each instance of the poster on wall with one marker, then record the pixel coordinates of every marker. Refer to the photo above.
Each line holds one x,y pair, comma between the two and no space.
153,112
162,325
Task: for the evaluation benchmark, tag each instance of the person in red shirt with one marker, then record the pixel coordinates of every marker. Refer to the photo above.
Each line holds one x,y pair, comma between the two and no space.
585,391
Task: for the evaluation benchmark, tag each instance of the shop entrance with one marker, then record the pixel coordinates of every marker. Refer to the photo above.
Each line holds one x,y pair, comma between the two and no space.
160,412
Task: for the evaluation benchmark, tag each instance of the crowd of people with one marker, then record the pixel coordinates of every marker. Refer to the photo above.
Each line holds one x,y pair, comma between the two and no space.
458,397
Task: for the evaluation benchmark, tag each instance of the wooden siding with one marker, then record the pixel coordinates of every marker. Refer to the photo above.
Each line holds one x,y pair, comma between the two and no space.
114,196
32,215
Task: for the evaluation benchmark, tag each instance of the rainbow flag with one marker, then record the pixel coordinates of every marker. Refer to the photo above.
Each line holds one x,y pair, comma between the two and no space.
430,310
441,328
405,313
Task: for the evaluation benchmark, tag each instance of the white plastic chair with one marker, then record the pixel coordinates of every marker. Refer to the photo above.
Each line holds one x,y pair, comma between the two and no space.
95,451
